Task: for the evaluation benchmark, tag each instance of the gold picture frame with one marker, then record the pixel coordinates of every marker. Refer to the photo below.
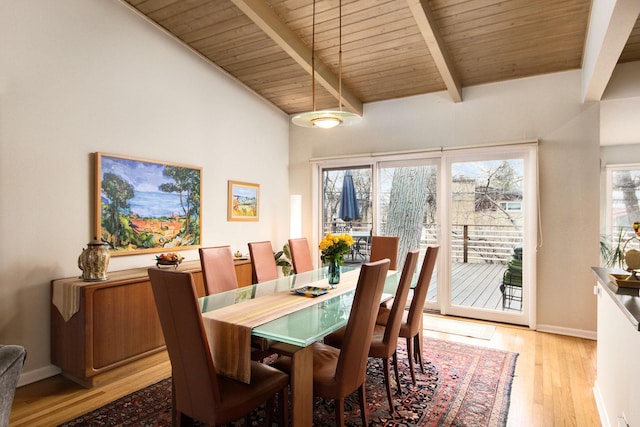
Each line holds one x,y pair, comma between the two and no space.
243,203
146,205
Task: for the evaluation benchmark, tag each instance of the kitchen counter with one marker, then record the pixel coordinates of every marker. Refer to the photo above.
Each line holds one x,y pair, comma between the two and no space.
626,299
616,387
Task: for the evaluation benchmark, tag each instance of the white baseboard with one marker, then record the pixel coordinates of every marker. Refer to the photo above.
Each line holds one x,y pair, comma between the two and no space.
38,374
579,333
602,411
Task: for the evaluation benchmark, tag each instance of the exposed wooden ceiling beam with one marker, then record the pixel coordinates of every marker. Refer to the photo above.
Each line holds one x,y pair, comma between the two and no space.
426,22
270,23
610,25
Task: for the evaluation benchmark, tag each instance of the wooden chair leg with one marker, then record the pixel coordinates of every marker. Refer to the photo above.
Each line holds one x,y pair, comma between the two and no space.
175,417
395,368
268,412
387,382
363,406
283,402
339,412
419,348
414,353
410,357
184,420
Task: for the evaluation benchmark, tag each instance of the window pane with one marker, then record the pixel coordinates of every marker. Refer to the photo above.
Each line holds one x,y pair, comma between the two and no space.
338,217
408,209
408,206
487,234
624,198
623,194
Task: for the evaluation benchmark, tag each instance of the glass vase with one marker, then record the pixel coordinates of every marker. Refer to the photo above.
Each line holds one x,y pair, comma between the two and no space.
333,273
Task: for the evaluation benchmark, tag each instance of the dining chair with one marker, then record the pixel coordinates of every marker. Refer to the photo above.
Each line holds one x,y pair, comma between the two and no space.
263,262
218,270
300,255
339,372
385,247
199,393
384,341
411,326
219,274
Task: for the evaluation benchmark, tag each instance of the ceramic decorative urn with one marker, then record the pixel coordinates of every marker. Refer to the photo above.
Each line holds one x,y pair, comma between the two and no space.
94,261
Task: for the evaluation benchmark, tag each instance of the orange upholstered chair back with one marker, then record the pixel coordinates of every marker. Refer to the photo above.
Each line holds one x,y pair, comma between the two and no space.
218,270
392,329
300,255
420,293
352,362
263,262
191,363
385,247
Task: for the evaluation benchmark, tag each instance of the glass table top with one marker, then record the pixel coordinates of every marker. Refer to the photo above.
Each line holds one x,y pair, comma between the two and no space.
304,326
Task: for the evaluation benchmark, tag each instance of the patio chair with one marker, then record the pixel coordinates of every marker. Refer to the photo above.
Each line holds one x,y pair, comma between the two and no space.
511,286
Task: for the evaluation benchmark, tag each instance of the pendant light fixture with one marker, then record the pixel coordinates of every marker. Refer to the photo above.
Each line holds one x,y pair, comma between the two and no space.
325,119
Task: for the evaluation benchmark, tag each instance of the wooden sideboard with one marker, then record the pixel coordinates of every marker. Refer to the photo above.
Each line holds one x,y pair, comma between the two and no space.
116,323
244,272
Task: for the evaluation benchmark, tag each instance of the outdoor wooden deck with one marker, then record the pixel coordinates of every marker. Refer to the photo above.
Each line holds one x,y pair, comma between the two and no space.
475,285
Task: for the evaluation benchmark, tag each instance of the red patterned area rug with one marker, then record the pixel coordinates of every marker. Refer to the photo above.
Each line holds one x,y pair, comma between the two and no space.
462,385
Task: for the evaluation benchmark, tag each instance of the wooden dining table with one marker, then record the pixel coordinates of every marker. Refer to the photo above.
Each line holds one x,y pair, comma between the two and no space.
275,312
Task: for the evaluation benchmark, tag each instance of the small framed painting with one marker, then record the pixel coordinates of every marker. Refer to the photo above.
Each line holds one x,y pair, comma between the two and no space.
243,202
146,205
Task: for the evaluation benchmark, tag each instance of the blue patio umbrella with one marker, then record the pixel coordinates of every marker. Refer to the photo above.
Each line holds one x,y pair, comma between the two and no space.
348,210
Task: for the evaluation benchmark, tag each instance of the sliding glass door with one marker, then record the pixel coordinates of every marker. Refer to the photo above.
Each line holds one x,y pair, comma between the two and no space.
479,205
490,243
408,207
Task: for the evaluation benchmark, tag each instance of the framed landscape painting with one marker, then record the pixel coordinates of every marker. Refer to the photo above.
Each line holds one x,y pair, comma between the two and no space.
146,205
243,202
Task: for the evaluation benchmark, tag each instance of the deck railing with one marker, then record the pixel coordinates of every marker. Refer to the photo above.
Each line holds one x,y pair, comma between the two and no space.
484,243
481,243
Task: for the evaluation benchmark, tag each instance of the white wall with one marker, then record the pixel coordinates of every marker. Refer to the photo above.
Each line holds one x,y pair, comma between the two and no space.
78,77
620,107
619,125
619,155
548,108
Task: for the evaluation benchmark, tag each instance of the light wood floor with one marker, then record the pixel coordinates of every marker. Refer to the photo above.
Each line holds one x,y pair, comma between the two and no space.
553,384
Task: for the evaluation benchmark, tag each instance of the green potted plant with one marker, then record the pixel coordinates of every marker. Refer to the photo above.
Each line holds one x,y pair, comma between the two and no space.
611,253
283,260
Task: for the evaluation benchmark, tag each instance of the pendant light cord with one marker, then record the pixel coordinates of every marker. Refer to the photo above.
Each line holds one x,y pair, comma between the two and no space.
313,56
340,58
327,118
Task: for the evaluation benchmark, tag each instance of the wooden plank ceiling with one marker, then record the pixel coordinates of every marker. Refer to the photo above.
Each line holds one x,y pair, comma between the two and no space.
391,48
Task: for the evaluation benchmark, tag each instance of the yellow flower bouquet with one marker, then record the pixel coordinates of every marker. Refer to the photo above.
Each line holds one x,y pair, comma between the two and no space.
334,247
